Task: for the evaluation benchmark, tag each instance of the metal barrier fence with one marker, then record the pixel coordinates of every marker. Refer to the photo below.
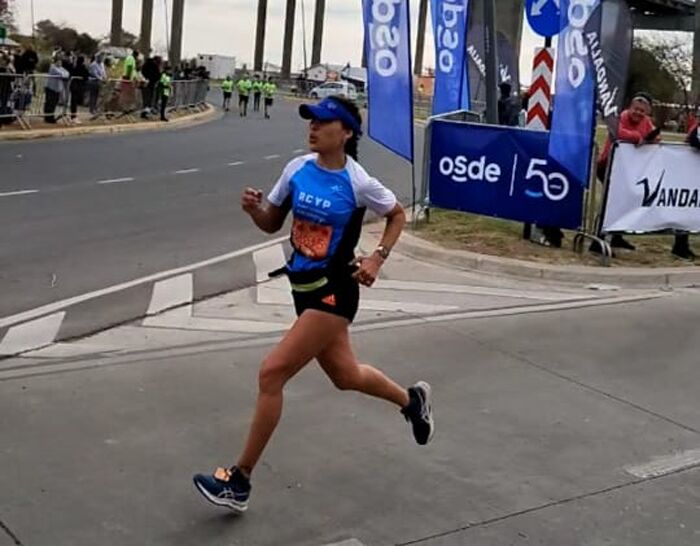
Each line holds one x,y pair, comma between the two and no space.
27,99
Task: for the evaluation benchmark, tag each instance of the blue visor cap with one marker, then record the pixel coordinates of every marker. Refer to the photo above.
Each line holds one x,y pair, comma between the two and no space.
330,110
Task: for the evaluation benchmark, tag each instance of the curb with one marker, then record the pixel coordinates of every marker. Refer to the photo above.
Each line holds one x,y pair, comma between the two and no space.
629,277
185,121
91,313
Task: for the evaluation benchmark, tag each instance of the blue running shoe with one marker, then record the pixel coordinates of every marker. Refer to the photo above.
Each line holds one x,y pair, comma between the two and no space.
419,412
226,487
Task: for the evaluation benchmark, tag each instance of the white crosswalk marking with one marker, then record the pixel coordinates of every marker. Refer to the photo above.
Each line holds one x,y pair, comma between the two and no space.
29,335
170,293
267,260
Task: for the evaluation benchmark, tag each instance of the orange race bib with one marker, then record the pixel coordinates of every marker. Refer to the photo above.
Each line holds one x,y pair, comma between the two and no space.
310,239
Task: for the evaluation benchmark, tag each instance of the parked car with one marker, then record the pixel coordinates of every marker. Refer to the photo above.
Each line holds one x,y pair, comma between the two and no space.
343,89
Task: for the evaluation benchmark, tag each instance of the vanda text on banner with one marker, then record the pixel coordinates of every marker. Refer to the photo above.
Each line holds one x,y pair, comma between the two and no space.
389,79
653,188
451,91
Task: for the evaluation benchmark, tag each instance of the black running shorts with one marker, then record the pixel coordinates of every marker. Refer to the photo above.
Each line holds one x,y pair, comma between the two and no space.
227,95
339,296
268,101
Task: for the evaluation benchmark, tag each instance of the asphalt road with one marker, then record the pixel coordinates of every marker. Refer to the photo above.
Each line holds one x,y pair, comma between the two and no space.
575,427
102,210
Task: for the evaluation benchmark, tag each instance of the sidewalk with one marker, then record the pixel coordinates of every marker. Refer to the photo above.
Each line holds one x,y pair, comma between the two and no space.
411,245
58,131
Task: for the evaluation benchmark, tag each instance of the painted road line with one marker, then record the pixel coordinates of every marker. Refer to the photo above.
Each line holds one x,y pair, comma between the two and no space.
417,286
73,350
404,307
349,542
299,151
267,260
275,292
236,163
183,319
660,466
19,192
187,171
116,180
273,156
35,333
171,293
52,307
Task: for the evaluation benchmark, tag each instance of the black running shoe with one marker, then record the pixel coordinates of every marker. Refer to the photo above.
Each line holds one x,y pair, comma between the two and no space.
226,487
420,412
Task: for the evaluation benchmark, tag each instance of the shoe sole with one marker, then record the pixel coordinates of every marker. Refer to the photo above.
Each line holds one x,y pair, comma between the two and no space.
226,503
428,401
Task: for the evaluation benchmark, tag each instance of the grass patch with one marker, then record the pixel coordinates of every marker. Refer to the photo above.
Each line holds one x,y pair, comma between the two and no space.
497,237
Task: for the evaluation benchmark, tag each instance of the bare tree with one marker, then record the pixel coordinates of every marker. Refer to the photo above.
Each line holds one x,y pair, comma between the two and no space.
7,18
675,56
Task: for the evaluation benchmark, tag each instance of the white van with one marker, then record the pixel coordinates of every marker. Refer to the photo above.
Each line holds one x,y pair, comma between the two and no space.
343,89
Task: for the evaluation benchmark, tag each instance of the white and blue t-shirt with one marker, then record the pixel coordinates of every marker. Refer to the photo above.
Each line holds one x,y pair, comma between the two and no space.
327,208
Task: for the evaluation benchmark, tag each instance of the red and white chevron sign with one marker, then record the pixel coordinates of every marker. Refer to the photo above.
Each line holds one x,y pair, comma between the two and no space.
541,89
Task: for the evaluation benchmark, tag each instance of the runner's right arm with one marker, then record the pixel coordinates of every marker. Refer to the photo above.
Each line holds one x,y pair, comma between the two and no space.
268,217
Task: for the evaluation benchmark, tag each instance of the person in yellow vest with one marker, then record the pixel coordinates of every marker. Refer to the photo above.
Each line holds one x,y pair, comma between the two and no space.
227,88
244,87
269,90
166,85
258,85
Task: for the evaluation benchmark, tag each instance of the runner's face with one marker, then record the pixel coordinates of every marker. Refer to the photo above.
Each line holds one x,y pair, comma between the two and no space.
638,110
327,136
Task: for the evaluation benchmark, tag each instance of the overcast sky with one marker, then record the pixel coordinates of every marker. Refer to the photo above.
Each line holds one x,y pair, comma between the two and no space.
228,27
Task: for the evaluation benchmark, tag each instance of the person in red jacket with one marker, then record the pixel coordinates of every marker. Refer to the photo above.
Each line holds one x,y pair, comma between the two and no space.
635,126
681,246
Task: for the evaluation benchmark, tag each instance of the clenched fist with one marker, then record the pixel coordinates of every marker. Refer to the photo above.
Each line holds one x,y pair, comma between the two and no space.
251,199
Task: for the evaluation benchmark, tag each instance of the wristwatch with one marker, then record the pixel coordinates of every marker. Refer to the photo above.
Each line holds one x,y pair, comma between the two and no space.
383,251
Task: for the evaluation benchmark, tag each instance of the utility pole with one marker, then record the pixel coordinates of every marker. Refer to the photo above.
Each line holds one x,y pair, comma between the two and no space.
176,32
260,36
319,18
420,37
117,24
696,55
288,45
146,26
491,60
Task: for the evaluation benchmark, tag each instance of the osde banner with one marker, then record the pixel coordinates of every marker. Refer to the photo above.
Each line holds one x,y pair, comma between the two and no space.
502,172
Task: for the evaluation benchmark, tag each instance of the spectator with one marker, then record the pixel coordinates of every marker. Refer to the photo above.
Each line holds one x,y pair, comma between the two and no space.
27,61
6,71
165,85
79,78
130,65
97,78
257,88
150,71
508,106
55,89
522,115
681,246
635,126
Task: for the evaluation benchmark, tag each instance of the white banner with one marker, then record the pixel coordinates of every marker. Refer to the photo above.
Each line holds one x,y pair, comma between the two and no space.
653,188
